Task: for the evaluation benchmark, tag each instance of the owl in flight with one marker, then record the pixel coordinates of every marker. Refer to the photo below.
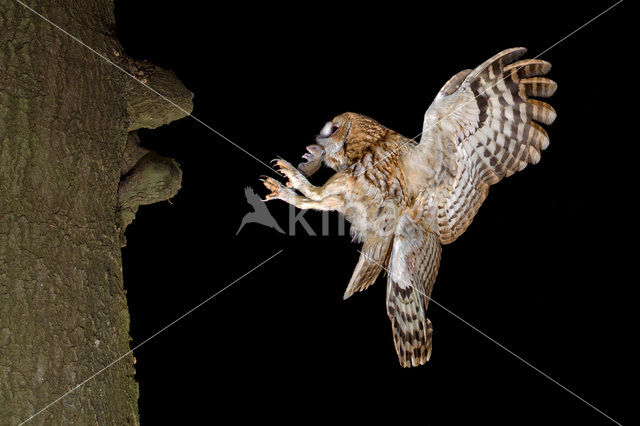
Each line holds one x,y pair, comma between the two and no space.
404,199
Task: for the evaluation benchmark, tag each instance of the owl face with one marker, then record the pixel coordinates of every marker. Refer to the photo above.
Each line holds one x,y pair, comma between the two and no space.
332,138
346,138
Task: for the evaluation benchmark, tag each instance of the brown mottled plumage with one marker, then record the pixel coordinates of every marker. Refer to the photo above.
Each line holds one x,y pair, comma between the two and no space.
405,199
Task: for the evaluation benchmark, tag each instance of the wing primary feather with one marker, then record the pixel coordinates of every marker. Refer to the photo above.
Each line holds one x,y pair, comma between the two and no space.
529,67
486,129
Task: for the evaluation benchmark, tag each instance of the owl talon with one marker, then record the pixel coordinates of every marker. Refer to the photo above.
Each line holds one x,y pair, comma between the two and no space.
272,185
287,170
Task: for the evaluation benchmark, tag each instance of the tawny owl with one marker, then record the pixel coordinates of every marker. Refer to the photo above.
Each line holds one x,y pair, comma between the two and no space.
405,199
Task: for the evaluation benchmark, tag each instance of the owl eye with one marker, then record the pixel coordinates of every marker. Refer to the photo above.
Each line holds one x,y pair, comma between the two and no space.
328,130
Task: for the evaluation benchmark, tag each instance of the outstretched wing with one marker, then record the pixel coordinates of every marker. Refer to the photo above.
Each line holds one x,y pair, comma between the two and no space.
480,128
413,267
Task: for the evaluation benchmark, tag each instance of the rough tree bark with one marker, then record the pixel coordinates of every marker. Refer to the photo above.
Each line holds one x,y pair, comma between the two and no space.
71,178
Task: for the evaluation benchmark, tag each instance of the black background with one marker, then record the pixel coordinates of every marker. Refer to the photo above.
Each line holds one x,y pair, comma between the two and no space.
546,268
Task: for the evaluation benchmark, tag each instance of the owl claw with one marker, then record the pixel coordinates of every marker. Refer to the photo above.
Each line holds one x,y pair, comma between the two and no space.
293,175
285,168
272,185
275,160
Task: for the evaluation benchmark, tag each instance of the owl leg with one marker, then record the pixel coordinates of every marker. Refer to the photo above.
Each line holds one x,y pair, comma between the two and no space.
280,192
297,180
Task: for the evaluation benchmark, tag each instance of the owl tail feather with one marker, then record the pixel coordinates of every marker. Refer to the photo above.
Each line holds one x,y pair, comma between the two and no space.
413,267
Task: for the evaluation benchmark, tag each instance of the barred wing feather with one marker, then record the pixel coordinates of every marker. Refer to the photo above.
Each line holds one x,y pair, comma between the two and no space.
484,127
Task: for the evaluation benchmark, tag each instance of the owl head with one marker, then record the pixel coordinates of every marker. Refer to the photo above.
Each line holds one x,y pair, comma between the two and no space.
348,138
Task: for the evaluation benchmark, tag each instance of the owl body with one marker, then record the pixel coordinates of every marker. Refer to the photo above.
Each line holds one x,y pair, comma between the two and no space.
405,200
377,194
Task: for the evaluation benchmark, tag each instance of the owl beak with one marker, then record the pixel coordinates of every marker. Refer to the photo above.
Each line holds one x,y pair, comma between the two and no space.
323,140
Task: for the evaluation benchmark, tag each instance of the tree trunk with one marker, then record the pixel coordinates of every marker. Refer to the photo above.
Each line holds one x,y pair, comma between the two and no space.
65,117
